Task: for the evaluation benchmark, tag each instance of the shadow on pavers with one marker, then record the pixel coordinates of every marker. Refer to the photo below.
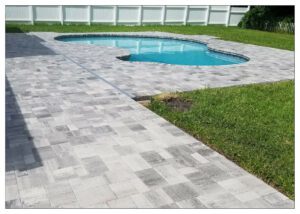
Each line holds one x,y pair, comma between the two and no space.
23,45
20,152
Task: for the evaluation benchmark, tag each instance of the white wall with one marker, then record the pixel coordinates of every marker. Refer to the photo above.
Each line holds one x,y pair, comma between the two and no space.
128,15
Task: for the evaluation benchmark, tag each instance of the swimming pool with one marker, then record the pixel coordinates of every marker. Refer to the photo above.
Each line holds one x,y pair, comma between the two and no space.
160,50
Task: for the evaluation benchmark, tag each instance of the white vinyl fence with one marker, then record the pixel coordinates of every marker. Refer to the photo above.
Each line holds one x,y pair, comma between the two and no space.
126,15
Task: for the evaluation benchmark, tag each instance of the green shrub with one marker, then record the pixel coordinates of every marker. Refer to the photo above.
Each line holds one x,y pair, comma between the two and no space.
269,18
255,18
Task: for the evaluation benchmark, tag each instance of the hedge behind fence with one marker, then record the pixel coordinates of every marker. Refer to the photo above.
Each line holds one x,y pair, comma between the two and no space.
269,18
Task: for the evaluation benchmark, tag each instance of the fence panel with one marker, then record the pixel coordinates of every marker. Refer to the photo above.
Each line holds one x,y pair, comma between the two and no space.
152,15
46,13
17,13
128,15
101,14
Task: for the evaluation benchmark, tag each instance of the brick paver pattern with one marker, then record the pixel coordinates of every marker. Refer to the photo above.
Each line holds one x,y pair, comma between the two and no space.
75,138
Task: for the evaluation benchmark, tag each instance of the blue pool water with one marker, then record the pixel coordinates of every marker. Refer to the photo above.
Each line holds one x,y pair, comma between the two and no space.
170,51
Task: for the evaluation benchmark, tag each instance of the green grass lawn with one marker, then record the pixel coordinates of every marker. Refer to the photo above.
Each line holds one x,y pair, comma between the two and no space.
252,125
275,40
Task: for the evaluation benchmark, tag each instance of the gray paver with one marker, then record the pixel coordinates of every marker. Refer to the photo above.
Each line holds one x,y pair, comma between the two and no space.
141,201
94,165
14,204
123,189
182,191
158,198
153,158
190,203
90,196
150,177
121,203
61,194
169,206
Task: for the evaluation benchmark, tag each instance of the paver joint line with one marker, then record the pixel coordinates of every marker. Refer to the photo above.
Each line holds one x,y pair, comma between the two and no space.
97,75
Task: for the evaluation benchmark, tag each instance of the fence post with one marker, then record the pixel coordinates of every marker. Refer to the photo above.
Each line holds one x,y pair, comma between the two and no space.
228,15
140,15
163,14
207,15
186,12
89,14
115,14
31,16
61,14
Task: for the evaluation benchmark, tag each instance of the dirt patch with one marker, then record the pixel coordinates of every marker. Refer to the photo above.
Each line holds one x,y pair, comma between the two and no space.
144,102
178,103
142,98
172,100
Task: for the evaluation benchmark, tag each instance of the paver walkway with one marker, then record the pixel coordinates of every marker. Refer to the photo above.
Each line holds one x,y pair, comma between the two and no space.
74,140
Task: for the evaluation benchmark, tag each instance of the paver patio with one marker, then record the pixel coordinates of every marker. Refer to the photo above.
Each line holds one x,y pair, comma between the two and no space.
144,79
75,138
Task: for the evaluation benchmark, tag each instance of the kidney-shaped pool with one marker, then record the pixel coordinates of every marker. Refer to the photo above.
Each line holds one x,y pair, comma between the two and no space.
160,50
